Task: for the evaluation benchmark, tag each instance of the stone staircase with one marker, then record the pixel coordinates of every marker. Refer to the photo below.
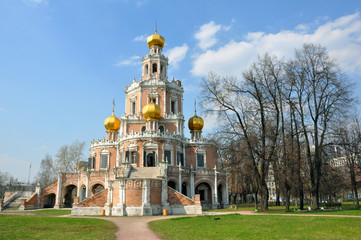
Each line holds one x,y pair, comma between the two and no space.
15,202
144,172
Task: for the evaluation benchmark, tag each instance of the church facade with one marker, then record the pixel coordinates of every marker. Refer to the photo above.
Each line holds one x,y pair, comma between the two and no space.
145,164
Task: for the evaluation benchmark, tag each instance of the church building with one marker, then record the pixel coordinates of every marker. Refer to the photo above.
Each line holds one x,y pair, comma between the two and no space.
145,164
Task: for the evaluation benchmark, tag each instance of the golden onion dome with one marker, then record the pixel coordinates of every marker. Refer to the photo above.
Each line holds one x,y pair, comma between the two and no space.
112,123
195,123
151,111
155,39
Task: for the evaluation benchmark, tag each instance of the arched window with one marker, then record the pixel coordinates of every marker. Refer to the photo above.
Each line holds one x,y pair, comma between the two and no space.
155,68
161,128
144,128
146,69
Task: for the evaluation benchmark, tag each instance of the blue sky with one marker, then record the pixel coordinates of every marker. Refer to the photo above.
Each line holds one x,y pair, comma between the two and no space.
63,62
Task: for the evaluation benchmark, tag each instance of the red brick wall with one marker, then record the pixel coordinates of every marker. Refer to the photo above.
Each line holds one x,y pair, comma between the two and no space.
98,200
133,197
155,192
133,192
32,200
176,198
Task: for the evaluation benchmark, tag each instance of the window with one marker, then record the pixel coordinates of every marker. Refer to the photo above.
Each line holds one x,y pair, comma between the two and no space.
90,163
161,128
144,128
172,107
167,156
180,159
104,161
133,108
146,69
200,160
154,66
133,157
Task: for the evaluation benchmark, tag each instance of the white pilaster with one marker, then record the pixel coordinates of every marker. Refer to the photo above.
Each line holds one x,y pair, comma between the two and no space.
180,177
192,182
58,191
87,185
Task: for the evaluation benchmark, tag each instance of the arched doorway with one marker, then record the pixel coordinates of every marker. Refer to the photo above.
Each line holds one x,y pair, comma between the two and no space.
150,160
185,189
82,193
220,195
70,193
172,184
49,201
97,188
205,192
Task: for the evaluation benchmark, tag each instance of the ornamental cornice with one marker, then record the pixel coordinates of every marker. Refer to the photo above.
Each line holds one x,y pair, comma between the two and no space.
104,143
200,142
134,85
147,136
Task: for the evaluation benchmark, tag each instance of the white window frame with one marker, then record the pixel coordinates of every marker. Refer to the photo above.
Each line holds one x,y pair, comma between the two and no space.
201,151
104,153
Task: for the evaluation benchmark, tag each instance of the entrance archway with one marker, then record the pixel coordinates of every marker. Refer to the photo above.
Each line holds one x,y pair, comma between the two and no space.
205,192
185,187
49,201
220,195
150,160
97,188
82,193
172,184
70,193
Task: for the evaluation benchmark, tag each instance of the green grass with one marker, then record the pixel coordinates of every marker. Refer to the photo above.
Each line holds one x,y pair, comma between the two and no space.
347,209
258,227
44,226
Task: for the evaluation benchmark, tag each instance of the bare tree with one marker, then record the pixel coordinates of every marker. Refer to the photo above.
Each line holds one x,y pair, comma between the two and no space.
322,93
69,156
251,110
47,172
347,137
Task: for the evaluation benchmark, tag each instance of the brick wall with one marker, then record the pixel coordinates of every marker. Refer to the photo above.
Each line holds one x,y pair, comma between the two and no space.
176,198
98,200
31,201
155,192
133,197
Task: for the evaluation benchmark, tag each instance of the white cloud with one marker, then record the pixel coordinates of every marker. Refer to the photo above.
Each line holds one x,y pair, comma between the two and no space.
141,38
341,37
134,60
140,3
206,35
36,2
177,54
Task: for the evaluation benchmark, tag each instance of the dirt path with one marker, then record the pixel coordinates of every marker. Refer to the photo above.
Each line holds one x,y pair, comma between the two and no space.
136,228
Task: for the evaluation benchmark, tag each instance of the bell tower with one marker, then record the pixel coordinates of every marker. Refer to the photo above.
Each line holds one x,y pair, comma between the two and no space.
155,64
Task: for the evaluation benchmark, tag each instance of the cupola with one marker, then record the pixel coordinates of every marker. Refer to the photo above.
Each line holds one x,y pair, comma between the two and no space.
151,111
195,123
155,40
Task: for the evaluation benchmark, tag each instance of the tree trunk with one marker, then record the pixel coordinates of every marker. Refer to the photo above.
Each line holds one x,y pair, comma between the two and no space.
354,187
278,203
315,196
264,197
287,203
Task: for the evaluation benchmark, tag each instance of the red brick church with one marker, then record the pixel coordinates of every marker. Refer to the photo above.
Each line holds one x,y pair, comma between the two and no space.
145,164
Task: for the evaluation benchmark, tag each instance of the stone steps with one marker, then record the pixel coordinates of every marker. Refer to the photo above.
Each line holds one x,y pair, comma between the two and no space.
144,172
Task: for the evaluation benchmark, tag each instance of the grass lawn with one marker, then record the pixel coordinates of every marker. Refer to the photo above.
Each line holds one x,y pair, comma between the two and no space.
258,227
44,225
347,209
